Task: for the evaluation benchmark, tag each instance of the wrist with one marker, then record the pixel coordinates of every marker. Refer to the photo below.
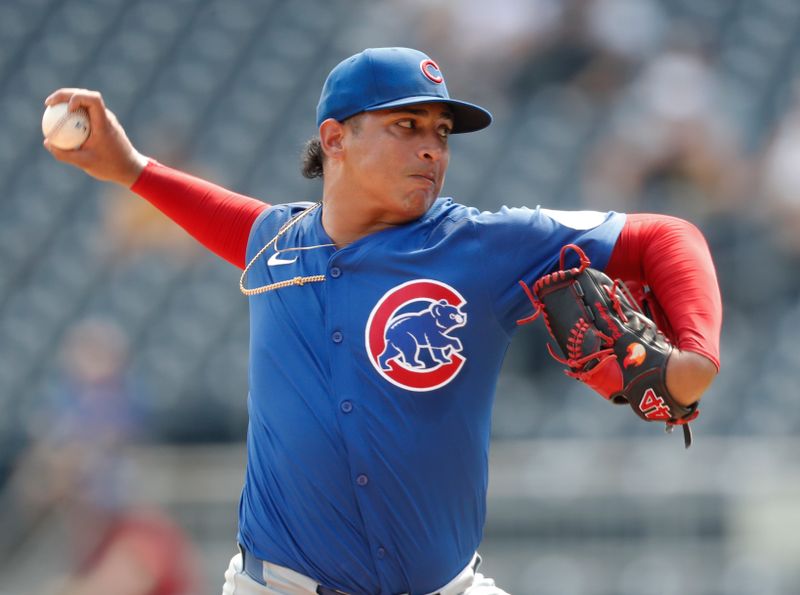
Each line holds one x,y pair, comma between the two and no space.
134,171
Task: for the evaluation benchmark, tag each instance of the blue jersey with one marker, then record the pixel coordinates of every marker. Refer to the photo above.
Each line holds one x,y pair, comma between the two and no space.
371,392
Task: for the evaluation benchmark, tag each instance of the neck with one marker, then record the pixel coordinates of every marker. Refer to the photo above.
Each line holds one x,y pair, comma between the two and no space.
347,219
344,226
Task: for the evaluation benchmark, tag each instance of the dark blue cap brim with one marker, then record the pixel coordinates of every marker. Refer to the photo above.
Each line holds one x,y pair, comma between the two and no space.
468,117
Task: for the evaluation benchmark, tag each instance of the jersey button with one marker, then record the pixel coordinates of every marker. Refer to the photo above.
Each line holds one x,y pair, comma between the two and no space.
336,272
346,406
362,480
337,337
381,553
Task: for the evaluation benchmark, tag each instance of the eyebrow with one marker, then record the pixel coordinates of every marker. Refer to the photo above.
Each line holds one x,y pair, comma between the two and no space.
418,111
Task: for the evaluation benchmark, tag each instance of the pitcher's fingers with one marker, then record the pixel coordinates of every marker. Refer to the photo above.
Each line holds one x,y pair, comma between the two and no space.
76,98
75,157
62,95
92,101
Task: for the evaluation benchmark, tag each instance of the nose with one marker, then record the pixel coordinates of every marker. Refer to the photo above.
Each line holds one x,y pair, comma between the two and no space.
432,154
431,150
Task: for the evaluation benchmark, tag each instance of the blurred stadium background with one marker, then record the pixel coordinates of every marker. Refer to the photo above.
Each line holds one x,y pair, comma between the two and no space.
686,107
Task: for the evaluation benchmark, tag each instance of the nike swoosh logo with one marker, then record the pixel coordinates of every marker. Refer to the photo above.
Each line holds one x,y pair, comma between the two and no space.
276,260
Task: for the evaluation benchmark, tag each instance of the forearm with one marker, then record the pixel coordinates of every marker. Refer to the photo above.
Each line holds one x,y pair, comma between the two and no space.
218,218
671,257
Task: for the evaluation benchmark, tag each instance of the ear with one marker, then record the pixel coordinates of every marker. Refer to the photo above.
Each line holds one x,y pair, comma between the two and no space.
331,135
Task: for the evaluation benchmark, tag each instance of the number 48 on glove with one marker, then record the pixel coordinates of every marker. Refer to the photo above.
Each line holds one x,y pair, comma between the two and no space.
606,341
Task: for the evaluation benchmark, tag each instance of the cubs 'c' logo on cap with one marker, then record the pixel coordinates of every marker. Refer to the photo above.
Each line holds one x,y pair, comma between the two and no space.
431,71
409,335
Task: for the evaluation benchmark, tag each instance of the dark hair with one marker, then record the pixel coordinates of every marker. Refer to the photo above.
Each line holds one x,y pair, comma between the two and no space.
313,159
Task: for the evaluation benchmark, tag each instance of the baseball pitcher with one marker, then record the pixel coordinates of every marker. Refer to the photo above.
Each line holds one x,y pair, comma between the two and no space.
380,317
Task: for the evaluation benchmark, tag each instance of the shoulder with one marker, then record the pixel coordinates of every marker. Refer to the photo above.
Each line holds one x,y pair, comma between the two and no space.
447,216
272,218
281,213
269,223
538,216
546,218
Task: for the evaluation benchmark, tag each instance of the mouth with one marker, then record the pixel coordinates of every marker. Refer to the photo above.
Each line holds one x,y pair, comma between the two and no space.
429,177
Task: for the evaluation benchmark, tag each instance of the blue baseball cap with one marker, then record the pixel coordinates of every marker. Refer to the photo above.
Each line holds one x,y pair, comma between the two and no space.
381,78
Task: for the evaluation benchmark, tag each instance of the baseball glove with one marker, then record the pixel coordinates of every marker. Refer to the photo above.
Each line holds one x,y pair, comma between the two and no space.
606,340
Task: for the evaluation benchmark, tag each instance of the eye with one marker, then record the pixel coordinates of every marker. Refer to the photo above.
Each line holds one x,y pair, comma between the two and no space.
445,131
409,124
452,317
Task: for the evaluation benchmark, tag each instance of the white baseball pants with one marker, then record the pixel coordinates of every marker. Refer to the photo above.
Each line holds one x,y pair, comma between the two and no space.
283,581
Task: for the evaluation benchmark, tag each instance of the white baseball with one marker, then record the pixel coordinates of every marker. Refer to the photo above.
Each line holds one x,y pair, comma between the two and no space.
64,129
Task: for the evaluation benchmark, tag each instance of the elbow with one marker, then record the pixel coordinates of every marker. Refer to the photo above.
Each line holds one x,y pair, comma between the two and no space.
689,375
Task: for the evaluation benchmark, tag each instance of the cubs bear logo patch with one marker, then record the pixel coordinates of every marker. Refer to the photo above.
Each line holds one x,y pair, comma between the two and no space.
411,335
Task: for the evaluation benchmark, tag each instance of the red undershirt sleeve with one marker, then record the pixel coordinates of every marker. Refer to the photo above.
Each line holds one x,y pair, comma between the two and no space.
218,218
671,257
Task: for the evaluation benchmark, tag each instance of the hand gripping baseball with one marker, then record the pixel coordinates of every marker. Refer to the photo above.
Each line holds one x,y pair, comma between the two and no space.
606,340
107,154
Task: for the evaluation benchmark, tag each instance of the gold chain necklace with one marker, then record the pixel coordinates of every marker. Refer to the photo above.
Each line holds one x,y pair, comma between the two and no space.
281,284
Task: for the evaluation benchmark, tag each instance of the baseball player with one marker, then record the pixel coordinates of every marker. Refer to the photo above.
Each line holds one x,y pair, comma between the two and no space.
380,317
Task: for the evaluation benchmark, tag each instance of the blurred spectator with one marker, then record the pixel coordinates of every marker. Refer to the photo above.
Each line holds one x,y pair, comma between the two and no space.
595,47
780,181
777,209
631,30
670,150
95,412
132,553
133,226
483,43
565,56
78,469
